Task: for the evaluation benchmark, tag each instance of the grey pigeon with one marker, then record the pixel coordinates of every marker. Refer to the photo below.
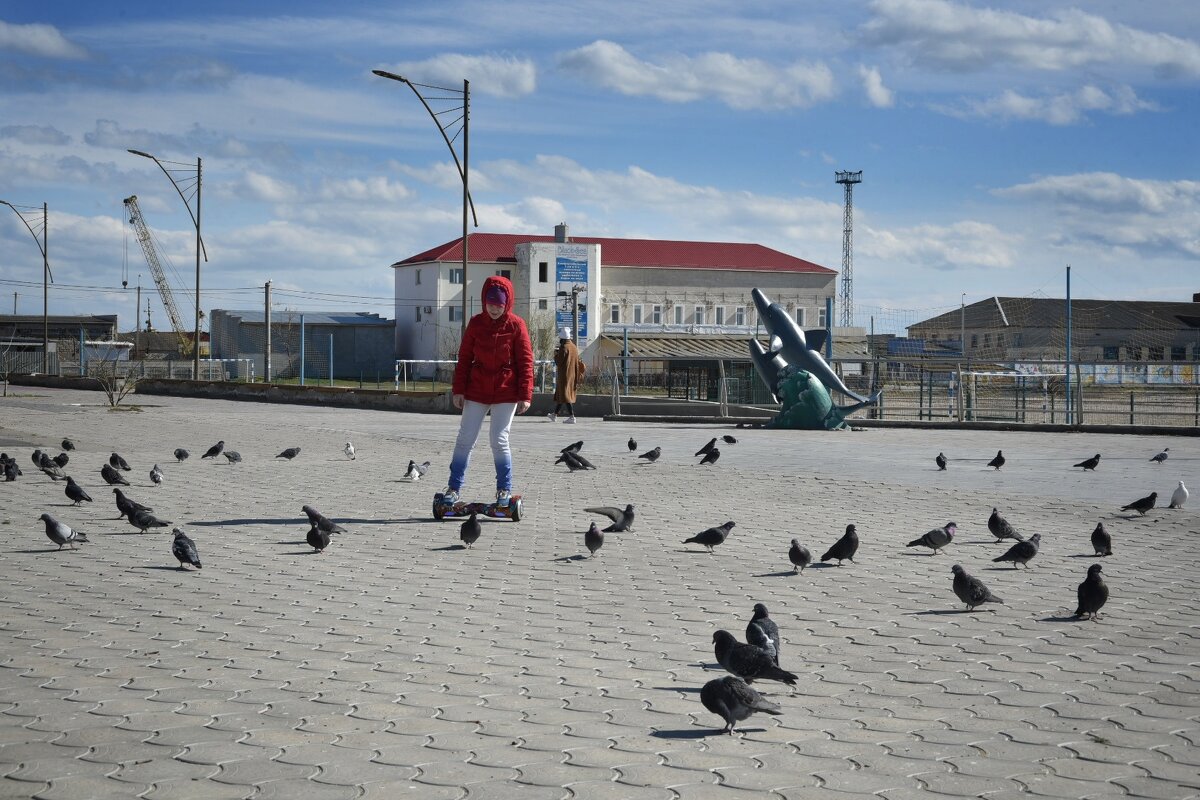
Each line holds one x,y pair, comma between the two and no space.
727,439
470,530
144,520
971,590
593,539
11,470
290,453
759,638
215,450
53,470
233,456
1000,528
940,460
1179,496
747,661
112,477
711,537
76,493
622,519
184,550
762,620
415,470
733,700
710,457
1143,504
574,447
799,555
845,547
181,454
1093,593
349,451
632,444
1161,457
62,459
67,444
422,468
998,461
37,458
937,538
61,534
1101,541
127,506
1090,464
317,539
119,463
156,475
652,455
319,520
703,451
1022,552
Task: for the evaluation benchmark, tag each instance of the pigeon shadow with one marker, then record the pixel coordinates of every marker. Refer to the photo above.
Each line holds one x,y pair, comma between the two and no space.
449,547
1006,569
775,574
293,541
937,612
576,557
169,569
685,689
45,550
823,565
1086,555
690,733
300,553
258,521
1071,618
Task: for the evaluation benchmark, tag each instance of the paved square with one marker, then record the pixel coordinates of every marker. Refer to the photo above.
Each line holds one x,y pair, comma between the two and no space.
398,665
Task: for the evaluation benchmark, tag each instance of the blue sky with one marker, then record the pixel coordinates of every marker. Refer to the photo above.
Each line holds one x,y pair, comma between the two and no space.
1000,141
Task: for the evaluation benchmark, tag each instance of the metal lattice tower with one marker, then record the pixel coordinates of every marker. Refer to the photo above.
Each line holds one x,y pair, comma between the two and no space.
846,298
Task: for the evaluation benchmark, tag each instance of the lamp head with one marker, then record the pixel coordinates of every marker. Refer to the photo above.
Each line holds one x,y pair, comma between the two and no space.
389,75
140,153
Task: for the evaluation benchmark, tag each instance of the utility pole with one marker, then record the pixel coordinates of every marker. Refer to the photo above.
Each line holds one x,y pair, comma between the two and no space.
848,179
137,317
267,327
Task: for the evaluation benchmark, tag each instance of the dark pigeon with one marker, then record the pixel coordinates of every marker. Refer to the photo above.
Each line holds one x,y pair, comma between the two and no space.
144,520
632,444
652,455
937,538
759,638
290,453
127,506
67,444
76,493
727,439
622,519
1022,552
1101,541
940,461
998,461
62,459
762,620
119,463
710,457
747,661
1093,593
317,539
11,470
37,458
1000,528
1163,456
574,461
319,520
184,550
215,450
233,456
181,454
470,530
711,537
1142,505
799,556
733,700
971,590
593,539
844,548
708,448
574,447
1089,464
112,477
61,534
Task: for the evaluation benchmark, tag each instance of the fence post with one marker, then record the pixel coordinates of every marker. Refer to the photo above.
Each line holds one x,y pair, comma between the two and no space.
722,390
959,391
1078,394
1130,406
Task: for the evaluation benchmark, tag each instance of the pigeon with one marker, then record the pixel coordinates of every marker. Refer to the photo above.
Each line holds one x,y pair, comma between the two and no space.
412,473
710,457
574,461
940,460
1022,552
1101,541
143,520
1090,463
1142,505
971,590
62,459
319,520
632,443
37,458
67,444
711,537
470,530
593,539
127,506
652,455
1093,593
727,439
181,454
763,622
747,661
290,453
53,470
759,638
215,450
799,556
233,456
733,700
76,493
998,461
317,539
119,463
574,447
845,547
622,520
61,534
1000,528
1161,457
1179,496
184,550
11,470
349,451
703,451
937,538
156,475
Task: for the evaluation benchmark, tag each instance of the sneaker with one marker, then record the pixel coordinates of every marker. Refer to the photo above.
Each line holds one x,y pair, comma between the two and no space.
450,497
551,417
569,421
502,497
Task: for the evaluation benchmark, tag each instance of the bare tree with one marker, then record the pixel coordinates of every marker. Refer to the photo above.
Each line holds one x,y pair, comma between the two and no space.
116,382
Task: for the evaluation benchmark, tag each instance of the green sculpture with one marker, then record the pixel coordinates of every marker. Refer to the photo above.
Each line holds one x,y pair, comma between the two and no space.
806,404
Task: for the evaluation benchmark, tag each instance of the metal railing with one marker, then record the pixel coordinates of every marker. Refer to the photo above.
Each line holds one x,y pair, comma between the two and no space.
411,373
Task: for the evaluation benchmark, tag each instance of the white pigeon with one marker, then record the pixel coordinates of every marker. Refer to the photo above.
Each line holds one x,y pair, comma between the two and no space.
61,534
415,470
156,475
1161,457
1179,497
349,448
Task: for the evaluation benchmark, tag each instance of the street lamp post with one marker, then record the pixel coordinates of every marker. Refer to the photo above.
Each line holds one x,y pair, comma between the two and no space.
43,244
446,128
195,215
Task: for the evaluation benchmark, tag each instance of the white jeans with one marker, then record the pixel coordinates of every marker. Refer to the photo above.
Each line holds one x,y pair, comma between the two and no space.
468,432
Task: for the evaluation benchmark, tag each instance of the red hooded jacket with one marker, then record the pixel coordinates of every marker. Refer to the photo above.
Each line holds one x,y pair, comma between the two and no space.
495,359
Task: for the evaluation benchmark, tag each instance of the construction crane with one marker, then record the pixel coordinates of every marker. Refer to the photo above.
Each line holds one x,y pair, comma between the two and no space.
160,278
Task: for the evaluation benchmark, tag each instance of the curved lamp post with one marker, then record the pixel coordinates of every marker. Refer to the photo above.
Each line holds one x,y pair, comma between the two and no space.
47,278
195,215
463,166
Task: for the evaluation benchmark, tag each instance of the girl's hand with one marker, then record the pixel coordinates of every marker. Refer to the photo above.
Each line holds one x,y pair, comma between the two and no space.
458,401
523,406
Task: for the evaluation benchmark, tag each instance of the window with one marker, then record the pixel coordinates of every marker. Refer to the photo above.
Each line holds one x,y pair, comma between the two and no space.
822,317
1018,339
456,275
656,315
1179,353
418,278
801,317
543,272
637,314
1112,353
698,319
678,314
1000,341
455,313
719,313
1133,353
614,312
739,315
504,273
987,340
974,340
543,304
1154,354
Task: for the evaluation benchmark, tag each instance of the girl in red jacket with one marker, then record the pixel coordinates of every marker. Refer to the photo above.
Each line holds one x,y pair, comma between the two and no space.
494,372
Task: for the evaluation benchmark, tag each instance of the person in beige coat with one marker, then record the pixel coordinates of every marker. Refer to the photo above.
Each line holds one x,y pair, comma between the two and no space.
569,374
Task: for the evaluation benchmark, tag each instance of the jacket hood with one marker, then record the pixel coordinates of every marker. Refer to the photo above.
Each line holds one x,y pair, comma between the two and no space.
503,283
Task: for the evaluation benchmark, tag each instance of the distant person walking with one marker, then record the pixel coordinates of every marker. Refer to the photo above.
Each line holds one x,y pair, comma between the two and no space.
568,375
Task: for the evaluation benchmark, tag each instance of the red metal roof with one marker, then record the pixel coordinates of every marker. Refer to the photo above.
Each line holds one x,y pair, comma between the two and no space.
500,248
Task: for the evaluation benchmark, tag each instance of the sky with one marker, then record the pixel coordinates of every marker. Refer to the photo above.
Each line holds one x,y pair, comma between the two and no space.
999,141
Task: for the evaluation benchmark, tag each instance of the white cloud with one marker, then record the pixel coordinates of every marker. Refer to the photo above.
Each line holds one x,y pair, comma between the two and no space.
502,77
960,38
43,41
375,189
965,244
1066,108
741,83
877,94
34,134
264,188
